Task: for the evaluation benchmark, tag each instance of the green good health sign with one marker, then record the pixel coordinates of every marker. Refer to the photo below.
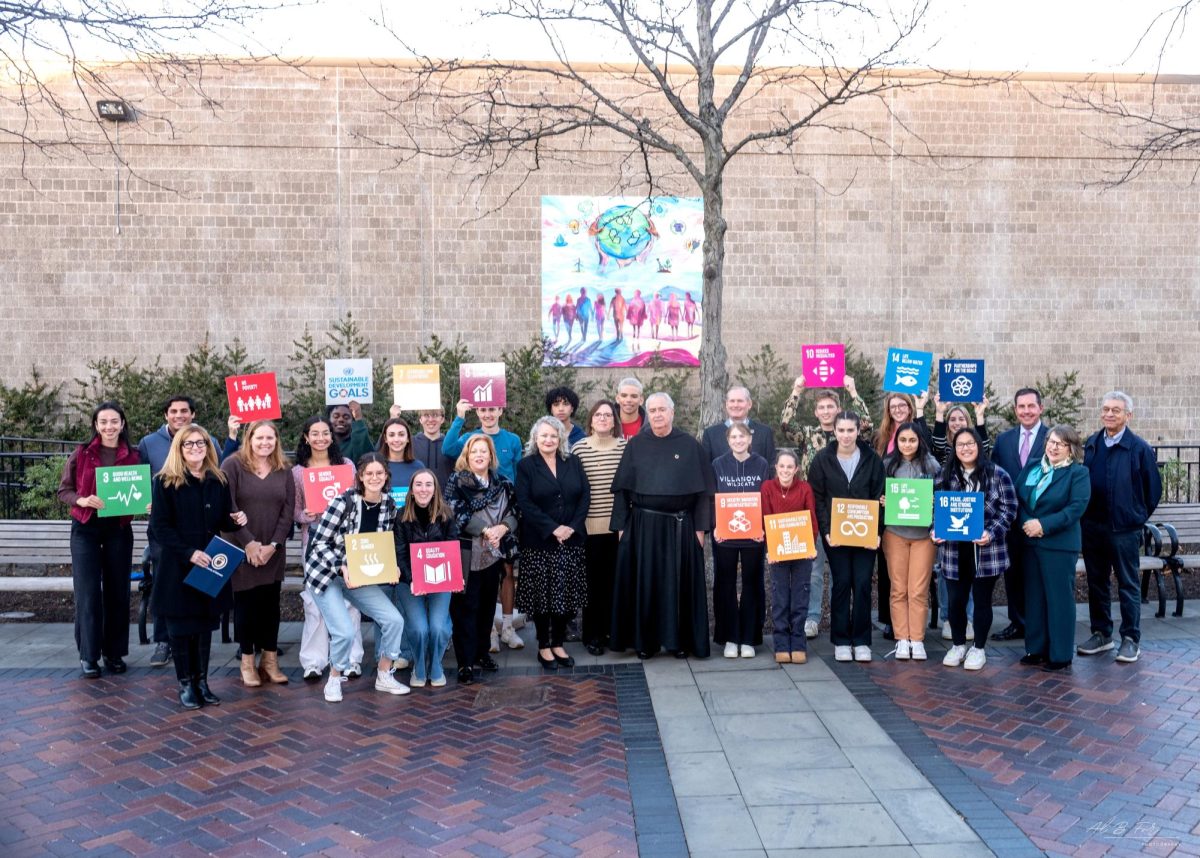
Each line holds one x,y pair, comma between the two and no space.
125,490
909,502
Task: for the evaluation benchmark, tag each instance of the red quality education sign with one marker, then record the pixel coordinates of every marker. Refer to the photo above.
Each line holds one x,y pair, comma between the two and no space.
436,567
253,397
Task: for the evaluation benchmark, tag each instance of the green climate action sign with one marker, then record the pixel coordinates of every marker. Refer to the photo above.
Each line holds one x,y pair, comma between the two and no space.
125,490
909,502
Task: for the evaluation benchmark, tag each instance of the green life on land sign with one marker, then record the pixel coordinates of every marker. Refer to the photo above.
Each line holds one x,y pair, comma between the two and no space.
909,502
125,490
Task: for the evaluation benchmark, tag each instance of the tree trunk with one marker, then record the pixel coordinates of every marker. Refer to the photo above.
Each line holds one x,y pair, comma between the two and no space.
714,376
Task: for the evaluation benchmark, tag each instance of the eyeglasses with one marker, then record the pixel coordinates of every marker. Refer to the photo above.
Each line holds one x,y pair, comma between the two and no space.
1054,442
966,445
198,444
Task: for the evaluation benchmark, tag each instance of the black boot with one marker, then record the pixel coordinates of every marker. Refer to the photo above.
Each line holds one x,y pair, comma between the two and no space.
189,697
201,680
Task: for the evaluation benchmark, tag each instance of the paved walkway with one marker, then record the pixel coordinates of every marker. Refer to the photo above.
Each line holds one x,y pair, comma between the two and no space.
707,757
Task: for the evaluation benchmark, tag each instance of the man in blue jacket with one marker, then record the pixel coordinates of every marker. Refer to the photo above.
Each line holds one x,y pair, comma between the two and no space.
1126,487
1016,447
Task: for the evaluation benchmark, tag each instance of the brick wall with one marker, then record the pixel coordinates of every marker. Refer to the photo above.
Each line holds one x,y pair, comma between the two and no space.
273,213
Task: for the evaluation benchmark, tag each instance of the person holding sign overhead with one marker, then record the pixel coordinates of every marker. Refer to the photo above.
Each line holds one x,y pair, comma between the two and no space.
425,518
553,496
261,487
849,470
788,492
365,508
971,568
738,623
909,549
318,448
1054,492
101,548
191,505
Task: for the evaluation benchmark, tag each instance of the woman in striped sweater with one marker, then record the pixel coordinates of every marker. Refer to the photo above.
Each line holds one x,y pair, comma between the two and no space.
600,453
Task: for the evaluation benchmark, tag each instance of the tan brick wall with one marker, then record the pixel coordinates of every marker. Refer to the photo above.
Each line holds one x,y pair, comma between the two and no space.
275,214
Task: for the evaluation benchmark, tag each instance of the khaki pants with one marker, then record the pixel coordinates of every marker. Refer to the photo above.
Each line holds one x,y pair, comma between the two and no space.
910,567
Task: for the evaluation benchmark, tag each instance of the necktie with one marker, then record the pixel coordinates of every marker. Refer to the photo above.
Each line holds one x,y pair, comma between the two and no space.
1026,435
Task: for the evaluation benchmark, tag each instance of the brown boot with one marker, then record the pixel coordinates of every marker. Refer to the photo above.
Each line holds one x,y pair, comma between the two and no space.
799,658
270,668
249,674
782,658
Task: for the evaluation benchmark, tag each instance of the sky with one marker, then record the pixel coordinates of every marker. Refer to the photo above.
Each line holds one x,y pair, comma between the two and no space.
983,35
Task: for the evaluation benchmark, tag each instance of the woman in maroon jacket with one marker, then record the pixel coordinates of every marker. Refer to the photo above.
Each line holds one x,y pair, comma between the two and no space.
101,548
790,579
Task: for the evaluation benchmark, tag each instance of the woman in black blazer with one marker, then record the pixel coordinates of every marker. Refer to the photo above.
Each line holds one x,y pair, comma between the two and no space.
1053,494
849,566
553,497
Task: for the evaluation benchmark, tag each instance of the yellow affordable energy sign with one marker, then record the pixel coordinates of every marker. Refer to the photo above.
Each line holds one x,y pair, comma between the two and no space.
371,559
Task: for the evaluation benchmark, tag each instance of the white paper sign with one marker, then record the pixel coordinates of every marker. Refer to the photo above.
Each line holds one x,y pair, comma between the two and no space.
348,379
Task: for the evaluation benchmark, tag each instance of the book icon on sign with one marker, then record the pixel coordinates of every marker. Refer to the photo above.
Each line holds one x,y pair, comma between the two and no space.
437,574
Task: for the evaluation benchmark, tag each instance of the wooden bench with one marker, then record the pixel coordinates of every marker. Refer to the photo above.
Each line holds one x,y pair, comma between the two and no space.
30,545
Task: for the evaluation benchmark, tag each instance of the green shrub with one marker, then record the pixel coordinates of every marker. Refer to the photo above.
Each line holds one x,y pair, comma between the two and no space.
528,380
769,379
447,357
40,498
1062,402
33,410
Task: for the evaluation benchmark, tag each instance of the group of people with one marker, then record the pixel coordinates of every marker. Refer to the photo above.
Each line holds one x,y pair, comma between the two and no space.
609,519
582,309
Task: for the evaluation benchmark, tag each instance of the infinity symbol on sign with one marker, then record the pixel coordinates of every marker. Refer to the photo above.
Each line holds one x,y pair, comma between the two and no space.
854,528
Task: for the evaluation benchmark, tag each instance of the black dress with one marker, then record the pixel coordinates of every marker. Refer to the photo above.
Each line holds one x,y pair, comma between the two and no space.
553,576
662,495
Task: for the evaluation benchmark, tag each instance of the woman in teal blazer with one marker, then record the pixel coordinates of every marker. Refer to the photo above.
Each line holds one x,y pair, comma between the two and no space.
1053,494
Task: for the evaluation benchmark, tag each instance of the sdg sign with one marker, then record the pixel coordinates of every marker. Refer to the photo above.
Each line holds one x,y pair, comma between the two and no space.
347,380
960,380
907,371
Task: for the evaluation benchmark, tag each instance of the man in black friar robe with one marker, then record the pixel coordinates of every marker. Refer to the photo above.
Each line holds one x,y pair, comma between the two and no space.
662,507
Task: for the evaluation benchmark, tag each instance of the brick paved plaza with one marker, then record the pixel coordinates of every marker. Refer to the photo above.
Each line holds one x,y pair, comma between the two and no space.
717,757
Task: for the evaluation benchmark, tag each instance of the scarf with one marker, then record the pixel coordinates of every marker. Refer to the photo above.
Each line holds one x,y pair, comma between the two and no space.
1041,476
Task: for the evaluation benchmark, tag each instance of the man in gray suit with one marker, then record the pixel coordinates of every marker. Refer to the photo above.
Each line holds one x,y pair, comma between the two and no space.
1015,448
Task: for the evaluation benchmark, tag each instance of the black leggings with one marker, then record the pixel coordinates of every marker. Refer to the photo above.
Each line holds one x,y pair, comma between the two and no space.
960,591
551,629
472,612
256,618
190,653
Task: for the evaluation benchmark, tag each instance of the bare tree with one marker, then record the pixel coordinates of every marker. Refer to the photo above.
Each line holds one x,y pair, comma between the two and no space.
58,57
708,80
1149,128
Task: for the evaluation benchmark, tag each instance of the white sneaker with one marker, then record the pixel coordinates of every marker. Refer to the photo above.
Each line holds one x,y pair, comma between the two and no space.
511,639
354,671
333,690
862,653
842,653
401,664
416,682
975,660
811,629
947,635
494,644
518,621
903,650
918,651
970,632
388,684
731,650
954,656
311,674
747,651
439,682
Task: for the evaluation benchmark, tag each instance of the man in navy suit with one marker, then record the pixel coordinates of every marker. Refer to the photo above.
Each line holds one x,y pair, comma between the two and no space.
1014,448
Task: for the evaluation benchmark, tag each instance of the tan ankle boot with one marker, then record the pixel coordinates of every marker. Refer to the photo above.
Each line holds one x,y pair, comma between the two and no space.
249,674
270,668
799,658
783,658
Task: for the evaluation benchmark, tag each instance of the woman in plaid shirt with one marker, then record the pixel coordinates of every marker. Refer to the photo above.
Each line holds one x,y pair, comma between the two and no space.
971,568
366,508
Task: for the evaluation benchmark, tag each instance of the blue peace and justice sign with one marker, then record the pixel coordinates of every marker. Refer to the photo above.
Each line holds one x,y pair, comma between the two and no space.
958,516
907,371
960,380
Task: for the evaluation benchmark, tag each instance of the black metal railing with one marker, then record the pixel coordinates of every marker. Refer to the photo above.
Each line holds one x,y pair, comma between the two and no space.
16,456
1179,465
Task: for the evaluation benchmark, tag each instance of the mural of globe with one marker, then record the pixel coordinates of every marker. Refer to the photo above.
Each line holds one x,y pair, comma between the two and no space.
622,233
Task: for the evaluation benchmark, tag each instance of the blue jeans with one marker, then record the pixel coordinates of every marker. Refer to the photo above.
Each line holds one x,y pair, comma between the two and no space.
816,584
790,581
372,600
426,630
1105,552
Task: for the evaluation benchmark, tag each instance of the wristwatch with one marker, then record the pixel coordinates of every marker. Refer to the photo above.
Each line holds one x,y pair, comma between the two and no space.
276,545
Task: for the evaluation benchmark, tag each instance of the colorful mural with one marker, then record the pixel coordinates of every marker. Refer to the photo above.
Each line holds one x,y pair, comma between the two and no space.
621,279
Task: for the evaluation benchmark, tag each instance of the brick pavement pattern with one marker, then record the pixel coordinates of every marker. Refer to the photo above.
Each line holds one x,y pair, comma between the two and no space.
1104,760
115,767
